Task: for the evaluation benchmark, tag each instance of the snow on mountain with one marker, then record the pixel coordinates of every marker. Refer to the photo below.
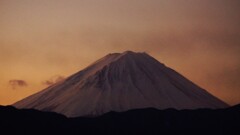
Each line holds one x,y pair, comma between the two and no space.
120,82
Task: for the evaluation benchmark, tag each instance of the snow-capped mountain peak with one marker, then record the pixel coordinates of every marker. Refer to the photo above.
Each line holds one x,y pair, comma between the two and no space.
120,82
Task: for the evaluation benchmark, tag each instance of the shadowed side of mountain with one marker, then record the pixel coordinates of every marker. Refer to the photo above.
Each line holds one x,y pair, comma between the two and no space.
139,121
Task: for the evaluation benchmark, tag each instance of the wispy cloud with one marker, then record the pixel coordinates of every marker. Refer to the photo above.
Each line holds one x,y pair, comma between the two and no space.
15,83
53,80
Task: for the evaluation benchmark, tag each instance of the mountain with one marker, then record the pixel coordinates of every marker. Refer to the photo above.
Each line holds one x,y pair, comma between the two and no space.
121,82
146,121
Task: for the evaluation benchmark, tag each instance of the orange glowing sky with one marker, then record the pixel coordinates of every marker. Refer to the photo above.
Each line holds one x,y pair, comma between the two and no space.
43,39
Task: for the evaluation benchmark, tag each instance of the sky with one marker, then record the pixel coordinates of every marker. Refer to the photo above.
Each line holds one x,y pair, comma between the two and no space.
44,41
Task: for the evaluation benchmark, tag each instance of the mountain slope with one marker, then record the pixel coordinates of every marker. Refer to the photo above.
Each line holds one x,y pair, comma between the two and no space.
120,82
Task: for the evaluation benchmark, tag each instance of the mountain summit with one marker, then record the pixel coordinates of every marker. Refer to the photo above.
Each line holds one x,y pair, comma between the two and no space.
120,82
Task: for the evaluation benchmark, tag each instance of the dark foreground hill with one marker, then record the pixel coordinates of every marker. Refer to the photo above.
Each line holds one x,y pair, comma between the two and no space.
142,121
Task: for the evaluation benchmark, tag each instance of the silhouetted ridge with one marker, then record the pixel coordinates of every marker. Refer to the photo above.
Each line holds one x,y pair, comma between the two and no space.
140,122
